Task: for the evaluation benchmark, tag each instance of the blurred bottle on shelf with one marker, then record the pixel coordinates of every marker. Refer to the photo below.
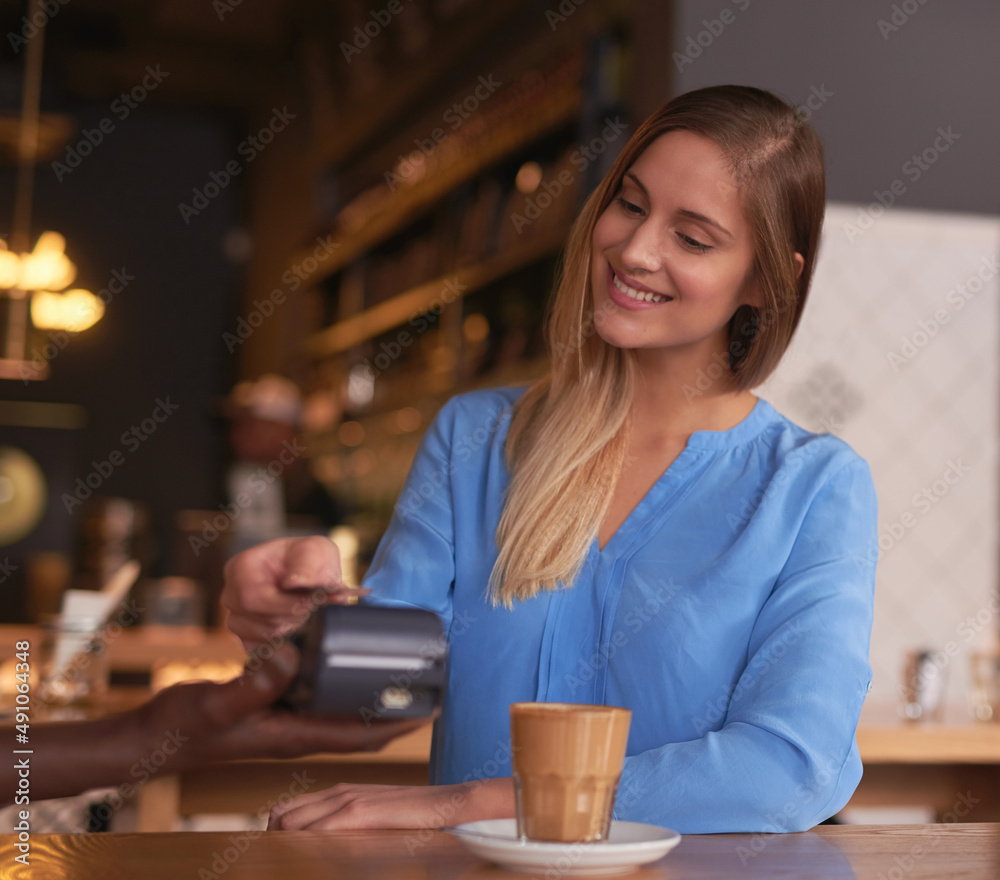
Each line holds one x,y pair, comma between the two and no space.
114,530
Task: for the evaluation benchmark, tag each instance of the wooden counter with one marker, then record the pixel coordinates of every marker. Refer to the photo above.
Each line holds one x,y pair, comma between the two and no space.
878,852
940,764
138,649
906,764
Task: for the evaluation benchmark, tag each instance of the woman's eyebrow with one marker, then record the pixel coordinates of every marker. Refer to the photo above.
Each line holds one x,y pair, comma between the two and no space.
694,215
637,182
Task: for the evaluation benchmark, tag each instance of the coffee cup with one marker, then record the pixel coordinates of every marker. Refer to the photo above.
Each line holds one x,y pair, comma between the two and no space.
567,760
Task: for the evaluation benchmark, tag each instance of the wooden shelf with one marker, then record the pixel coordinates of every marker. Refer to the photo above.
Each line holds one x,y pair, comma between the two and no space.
920,743
12,368
368,118
466,279
408,203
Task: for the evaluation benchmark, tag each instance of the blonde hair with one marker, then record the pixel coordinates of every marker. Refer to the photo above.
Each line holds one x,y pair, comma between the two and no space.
570,430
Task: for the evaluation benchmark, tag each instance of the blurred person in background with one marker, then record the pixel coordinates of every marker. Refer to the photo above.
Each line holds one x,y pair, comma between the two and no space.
269,482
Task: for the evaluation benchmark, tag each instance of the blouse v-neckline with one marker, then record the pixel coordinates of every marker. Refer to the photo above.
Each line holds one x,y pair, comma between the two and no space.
672,481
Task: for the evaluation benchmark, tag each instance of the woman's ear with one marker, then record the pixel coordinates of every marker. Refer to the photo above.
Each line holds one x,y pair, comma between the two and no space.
800,264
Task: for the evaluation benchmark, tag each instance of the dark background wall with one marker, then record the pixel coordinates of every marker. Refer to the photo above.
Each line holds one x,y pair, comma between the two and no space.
160,338
940,68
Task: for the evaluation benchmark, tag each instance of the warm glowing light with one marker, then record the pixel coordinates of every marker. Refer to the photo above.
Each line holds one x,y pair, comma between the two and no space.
46,268
475,328
529,177
351,433
404,420
10,267
74,310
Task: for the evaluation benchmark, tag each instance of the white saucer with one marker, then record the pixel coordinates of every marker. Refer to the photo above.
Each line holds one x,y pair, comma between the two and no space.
629,845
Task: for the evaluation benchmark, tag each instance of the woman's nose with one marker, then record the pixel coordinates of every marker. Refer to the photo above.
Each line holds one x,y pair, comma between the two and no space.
642,249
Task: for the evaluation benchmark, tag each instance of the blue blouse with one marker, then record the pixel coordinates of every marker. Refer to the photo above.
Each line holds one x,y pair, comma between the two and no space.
731,613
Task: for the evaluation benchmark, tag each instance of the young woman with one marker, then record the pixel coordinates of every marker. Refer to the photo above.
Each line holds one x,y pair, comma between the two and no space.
637,528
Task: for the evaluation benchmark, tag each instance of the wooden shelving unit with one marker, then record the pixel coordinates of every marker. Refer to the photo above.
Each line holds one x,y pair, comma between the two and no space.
368,324
335,143
407,203
442,242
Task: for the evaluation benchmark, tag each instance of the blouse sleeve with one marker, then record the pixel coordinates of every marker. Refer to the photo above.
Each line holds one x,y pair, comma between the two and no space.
785,757
414,565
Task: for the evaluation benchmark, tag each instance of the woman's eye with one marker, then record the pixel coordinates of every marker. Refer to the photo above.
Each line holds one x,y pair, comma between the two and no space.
692,243
627,206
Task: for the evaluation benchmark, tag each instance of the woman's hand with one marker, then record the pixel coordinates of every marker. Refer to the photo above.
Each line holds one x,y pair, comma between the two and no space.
271,589
349,806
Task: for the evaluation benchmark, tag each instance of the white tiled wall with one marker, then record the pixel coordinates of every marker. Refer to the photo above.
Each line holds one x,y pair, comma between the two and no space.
918,414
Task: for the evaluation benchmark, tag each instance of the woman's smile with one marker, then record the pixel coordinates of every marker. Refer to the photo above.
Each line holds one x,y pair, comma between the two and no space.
630,294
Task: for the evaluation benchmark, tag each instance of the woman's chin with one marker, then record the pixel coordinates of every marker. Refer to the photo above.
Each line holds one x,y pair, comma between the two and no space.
621,337
615,340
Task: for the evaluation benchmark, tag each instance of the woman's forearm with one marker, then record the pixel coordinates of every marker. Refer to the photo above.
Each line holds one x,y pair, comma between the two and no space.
487,799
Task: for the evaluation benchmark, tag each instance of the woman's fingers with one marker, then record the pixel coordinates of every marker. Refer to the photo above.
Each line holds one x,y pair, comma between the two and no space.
342,807
289,817
346,807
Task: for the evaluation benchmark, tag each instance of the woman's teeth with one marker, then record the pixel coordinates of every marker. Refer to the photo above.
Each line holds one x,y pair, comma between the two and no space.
640,295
